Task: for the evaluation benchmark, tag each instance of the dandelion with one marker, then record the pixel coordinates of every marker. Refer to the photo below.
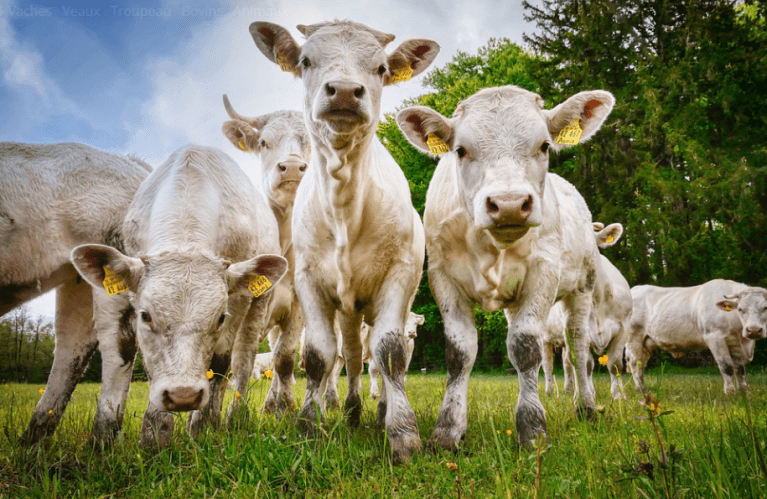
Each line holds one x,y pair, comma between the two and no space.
452,466
41,391
237,394
508,432
603,360
50,411
269,374
209,374
600,409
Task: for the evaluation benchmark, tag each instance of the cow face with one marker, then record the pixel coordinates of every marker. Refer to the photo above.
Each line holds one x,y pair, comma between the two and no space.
499,139
411,325
344,69
281,141
181,300
751,305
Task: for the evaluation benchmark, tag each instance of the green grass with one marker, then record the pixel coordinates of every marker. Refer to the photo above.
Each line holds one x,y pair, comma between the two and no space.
717,443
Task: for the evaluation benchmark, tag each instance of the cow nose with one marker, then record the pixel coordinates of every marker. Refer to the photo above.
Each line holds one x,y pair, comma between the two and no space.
182,399
754,331
510,208
343,92
292,170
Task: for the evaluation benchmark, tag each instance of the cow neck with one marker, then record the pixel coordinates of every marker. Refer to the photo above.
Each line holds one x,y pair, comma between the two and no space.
343,164
283,214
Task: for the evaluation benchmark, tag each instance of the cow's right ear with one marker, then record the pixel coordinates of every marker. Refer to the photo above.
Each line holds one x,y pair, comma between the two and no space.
276,43
609,235
104,267
729,303
242,135
258,275
419,319
426,129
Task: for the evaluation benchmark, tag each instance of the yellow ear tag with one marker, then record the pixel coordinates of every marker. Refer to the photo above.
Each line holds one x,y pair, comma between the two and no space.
284,64
402,74
258,285
242,145
728,308
436,145
610,238
113,283
571,134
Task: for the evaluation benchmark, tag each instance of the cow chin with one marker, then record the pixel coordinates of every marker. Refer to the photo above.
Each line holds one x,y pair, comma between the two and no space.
509,234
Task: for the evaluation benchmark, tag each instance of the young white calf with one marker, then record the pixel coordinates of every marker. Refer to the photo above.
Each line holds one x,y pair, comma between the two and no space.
190,219
55,197
504,233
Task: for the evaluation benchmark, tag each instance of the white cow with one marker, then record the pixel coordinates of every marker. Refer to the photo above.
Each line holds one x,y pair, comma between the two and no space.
55,197
504,233
283,145
681,320
190,219
358,240
609,321
263,363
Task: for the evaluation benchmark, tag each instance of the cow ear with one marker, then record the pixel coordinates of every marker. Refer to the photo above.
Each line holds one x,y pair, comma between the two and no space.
258,275
420,124
609,235
104,267
410,59
242,135
589,108
277,45
728,304
419,319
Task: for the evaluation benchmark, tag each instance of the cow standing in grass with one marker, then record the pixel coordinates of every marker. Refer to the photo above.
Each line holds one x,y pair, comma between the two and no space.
190,219
55,197
358,241
504,233
681,320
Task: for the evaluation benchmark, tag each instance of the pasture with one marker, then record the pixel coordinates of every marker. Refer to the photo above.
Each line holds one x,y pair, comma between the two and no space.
714,447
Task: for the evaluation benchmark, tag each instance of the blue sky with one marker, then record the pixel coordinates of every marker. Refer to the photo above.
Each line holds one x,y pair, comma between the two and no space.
147,77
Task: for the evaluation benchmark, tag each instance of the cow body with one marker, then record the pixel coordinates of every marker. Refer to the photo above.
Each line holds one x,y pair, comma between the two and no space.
358,241
55,197
681,320
190,219
505,234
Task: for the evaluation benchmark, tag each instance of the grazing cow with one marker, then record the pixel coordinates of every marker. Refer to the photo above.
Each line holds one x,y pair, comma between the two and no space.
55,197
262,363
190,219
504,233
283,145
358,241
609,321
681,320
411,332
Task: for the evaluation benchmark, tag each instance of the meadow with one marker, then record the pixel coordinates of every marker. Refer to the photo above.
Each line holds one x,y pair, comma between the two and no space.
703,444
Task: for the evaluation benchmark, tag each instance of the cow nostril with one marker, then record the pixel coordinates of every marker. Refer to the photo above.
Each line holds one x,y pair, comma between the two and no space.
330,89
283,168
359,92
492,208
527,206
302,168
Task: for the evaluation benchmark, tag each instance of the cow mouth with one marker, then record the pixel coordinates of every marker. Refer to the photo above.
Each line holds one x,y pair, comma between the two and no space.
756,336
343,115
508,233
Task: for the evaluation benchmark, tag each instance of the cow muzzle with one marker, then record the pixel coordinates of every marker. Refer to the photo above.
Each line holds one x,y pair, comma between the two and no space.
182,399
755,332
291,170
342,106
509,215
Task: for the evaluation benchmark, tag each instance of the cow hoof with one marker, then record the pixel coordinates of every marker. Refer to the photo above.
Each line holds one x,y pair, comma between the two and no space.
308,421
530,422
445,439
586,413
353,410
404,446
375,395
381,414
332,403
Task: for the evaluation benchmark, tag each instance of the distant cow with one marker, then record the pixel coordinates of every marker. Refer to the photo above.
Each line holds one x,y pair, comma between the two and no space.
358,240
53,198
609,321
263,362
504,233
190,219
282,143
681,320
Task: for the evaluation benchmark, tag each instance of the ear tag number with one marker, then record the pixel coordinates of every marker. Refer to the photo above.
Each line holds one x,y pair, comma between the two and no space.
284,64
610,239
242,145
571,134
258,285
436,145
113,283
402,74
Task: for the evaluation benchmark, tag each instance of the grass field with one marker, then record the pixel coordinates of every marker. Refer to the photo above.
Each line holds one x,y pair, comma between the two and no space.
714,447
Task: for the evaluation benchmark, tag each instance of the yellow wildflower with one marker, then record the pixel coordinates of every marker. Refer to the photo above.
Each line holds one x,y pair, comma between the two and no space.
209,374
600,408
50,412
237,394
603,360
452,466
41,391
269,374
509,432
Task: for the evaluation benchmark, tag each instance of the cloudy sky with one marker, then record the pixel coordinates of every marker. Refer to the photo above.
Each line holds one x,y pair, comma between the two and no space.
147,77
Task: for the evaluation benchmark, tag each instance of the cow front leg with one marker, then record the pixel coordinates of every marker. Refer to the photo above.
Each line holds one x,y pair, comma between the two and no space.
211,413
331,391
569,368
578,307
615,365
75,343
548,366
373,371
718,345
156,428
280,396
352,354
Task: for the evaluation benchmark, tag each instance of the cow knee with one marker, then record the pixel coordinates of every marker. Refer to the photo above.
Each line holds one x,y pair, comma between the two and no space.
524,351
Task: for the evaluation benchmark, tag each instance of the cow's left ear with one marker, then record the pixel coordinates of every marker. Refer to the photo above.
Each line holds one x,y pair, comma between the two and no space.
258,275
419,319
426,129
277,44
242,135
728,304
589,108
410,59
609,235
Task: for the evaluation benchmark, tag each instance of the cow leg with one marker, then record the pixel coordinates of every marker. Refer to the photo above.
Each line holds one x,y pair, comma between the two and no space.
739,359
548,366
75,342
615,364
331,391
157,427
280,396
718,345
578,307
117,342
590,374
352,349
243,356
373,371
567,365
460,353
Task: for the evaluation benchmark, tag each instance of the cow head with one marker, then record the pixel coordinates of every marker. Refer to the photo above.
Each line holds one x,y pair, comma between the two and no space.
344,68
499,139
607,236
751,305
281,141
411,325
181,303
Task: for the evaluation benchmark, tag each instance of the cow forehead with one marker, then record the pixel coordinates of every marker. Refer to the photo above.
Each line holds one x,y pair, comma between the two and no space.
176,278
752,300
334,42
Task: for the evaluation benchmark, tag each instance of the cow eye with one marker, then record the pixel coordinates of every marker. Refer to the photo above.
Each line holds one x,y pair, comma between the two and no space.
145,317
381,70
263,144
460,151
544,147
221,320
305,62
